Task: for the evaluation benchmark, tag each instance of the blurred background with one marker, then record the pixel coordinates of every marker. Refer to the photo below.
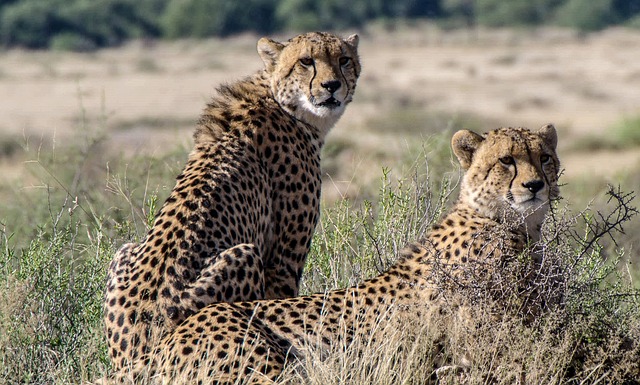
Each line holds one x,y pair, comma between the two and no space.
97,95
86,24
99,99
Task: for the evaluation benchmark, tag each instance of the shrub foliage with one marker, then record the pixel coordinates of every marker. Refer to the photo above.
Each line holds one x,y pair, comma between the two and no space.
587,332
87,24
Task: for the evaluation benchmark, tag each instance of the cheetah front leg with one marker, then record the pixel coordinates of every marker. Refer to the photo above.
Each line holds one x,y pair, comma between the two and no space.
236,275
283,282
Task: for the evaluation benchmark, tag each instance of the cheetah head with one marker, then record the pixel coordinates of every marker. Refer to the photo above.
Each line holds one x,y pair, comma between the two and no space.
509,171
313,76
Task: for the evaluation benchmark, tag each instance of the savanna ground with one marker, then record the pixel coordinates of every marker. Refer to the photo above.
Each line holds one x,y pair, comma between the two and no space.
90,145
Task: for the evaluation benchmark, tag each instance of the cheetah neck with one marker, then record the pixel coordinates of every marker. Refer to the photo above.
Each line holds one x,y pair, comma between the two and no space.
215,120
255,90
321,120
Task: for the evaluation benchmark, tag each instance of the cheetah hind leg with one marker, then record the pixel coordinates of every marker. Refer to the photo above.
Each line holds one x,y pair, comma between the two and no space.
236,275
118,280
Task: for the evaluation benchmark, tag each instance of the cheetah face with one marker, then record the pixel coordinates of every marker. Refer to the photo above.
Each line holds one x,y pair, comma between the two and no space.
313,76
509,170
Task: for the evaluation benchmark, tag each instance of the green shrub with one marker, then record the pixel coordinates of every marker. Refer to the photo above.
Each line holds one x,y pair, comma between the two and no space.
497,13
634,22
78,24
9,146
56,242
110,22
306,15
623,135
627,133
202,18
464,10
29,23
587,15
51,316
502,13
72,42
354,242
73,24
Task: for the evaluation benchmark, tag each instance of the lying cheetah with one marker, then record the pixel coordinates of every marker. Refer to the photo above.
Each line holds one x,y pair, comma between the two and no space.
239,222
511,176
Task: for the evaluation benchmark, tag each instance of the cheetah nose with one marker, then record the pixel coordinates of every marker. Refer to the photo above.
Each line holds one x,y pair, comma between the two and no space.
534,186
331,85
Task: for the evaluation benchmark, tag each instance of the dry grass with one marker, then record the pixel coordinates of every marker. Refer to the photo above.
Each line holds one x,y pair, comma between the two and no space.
585,332
52,325
85,127
588,332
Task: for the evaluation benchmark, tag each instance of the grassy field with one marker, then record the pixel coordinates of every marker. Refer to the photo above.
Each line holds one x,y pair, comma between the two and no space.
90,146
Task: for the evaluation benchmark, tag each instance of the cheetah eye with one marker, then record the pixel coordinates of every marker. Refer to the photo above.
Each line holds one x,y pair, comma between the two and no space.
344,60
544,159
507,160
306,61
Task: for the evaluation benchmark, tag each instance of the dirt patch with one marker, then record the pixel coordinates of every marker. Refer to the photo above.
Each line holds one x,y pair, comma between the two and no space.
583,84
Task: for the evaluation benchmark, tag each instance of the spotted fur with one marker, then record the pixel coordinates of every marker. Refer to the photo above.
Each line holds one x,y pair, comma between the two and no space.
239,221
252,341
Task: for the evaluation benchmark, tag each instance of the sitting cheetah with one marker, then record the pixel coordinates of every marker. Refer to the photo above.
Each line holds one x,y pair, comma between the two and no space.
239,222
511,175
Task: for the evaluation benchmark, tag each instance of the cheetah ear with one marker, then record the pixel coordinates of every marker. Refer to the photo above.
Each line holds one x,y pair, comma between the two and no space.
549,135
464,144
269,50
352,41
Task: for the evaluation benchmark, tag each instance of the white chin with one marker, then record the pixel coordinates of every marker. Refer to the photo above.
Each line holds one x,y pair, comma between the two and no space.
531,207
322,112
533,213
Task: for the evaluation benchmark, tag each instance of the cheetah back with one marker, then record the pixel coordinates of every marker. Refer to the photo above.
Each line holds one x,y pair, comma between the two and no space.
239,221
